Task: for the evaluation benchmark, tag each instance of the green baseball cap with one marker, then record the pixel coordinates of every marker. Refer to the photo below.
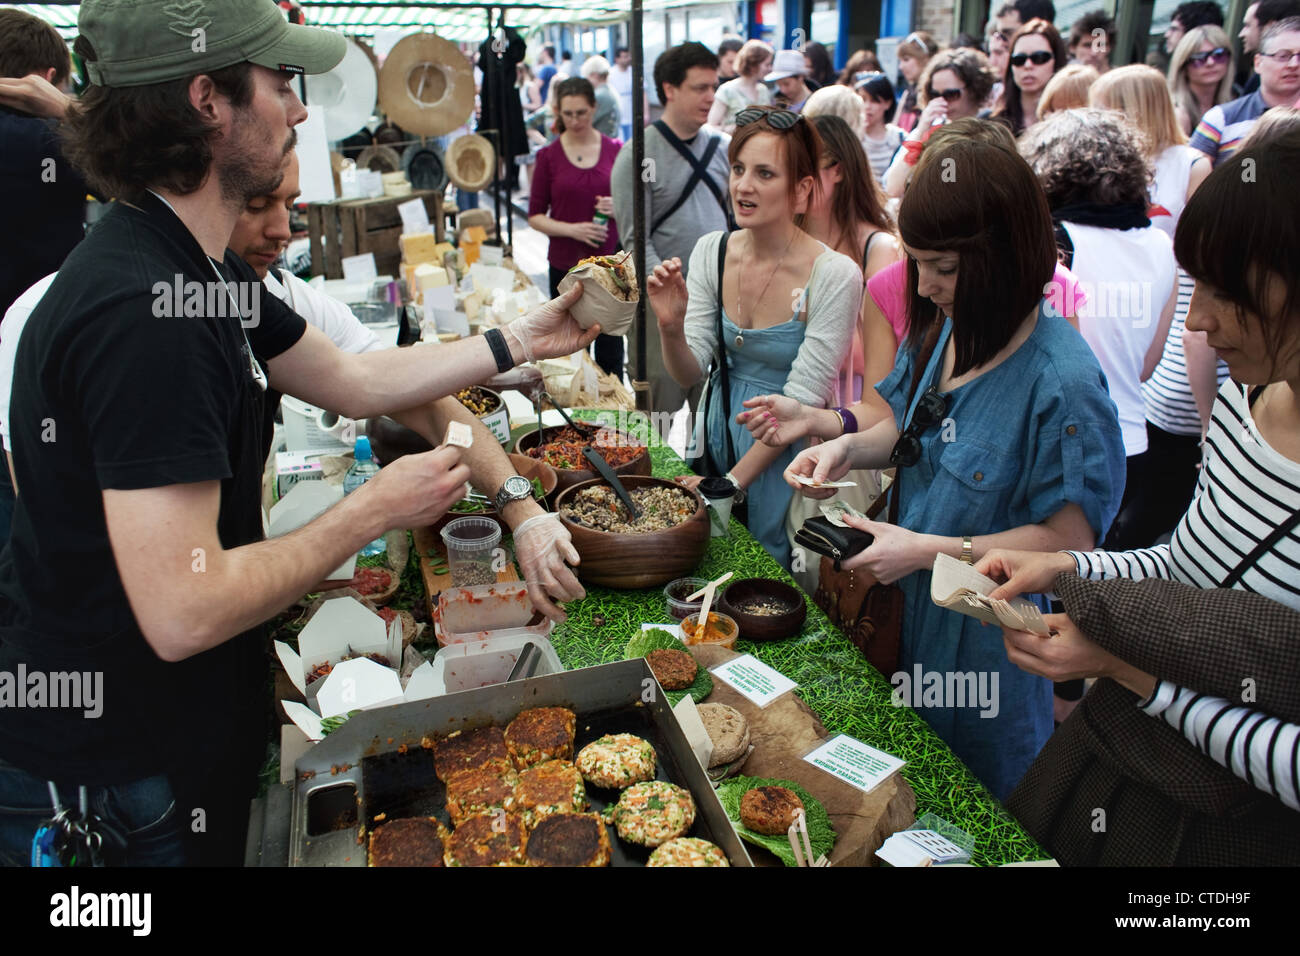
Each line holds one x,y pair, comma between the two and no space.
142,42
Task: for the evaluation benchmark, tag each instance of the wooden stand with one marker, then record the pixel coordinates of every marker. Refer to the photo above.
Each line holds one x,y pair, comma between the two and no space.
782,733
353,227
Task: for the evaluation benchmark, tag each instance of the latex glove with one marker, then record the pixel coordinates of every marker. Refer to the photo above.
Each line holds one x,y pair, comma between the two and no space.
775,420
666,288
549,331
543,546
1023,572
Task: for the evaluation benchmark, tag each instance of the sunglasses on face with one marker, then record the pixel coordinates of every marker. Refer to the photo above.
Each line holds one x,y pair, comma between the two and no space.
1216,56
777,119
1038,58
930,411
952,96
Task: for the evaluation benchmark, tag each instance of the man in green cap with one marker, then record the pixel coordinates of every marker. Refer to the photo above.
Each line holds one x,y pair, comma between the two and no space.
132,666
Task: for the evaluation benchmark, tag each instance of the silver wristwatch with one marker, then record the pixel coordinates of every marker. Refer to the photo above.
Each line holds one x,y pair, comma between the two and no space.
515,488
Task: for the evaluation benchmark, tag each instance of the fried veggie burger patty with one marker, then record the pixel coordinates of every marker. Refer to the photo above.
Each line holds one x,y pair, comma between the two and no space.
418,841
569,839
653,812
674,669
540,734
488,839
769,810
549,788
617,760
688,851
470,750
477,791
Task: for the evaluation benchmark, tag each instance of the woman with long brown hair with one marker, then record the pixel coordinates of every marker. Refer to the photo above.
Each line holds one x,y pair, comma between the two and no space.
1037,53
848,214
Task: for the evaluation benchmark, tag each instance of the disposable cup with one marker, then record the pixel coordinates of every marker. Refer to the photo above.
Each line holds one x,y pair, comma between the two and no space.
719,494
471,544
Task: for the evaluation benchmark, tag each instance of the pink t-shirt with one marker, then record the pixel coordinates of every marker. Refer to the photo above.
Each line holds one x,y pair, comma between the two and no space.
888,289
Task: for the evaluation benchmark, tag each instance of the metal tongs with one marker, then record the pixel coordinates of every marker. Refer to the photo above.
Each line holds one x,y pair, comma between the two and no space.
599,463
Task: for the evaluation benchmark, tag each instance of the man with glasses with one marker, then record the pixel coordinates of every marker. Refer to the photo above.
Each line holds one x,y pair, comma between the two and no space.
1278,64
1258,18
686,174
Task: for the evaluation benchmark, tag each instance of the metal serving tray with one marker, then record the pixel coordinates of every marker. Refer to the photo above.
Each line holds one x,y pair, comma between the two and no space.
375,762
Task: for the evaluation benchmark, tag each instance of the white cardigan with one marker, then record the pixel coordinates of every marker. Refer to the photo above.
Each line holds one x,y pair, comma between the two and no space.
834,298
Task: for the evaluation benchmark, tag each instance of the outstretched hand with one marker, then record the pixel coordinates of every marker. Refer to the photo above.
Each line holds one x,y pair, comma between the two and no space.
666,287
549,331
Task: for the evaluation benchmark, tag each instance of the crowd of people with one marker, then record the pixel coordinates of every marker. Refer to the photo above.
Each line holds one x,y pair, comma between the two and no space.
1051,303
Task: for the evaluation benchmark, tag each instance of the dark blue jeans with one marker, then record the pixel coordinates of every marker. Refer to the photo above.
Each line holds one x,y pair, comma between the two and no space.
144,811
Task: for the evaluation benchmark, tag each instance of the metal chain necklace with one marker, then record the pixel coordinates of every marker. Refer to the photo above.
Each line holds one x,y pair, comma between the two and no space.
740,336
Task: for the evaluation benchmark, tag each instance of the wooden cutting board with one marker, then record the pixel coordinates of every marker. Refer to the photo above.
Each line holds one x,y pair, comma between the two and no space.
782,733
427,540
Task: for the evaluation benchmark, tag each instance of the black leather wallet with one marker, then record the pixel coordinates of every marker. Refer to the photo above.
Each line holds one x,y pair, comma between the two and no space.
818,534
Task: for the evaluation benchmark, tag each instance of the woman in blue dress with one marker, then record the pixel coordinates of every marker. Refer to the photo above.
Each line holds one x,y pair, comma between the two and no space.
997,418
789,305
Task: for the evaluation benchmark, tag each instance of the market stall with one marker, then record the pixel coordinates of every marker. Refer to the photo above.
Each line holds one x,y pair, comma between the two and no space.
836,692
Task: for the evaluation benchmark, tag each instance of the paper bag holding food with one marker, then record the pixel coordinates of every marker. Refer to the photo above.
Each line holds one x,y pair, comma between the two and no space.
609,293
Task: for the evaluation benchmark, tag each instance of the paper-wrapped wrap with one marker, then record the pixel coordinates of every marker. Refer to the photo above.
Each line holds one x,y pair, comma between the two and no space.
602,301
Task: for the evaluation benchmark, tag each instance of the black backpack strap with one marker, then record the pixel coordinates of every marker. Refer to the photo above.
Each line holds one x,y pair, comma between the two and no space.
722,359
699,173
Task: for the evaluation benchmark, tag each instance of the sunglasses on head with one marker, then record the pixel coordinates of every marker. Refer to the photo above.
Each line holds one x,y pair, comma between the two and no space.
1038,58
777,119
952,96
930,410
1218,55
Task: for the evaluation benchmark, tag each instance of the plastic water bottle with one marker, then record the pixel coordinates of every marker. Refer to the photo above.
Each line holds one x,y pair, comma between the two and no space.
363,469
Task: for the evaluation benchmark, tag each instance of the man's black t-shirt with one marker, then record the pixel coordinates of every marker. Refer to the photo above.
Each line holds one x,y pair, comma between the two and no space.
42,203
115,390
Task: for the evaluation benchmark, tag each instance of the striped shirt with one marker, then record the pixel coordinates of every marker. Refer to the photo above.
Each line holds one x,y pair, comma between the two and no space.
1246,490
1167,394
1223,127
880,152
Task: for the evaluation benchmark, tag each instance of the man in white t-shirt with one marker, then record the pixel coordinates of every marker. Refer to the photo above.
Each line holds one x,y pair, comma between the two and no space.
260,235
620,81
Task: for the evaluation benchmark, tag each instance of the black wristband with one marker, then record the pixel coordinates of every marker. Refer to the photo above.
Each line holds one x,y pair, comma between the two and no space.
500,351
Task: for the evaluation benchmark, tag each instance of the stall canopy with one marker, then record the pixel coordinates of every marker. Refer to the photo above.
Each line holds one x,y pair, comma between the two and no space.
457,21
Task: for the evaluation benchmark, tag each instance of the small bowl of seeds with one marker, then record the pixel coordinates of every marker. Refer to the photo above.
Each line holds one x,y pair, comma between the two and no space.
765,609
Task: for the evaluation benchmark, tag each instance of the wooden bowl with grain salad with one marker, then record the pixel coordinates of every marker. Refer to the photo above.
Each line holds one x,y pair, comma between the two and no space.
667,542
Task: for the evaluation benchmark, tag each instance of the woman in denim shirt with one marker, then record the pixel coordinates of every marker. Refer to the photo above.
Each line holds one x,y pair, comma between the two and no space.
1017,441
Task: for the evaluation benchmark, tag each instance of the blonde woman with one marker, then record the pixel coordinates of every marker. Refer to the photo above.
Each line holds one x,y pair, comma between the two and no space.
1067,90
752,63
913,55
842,102
1200,74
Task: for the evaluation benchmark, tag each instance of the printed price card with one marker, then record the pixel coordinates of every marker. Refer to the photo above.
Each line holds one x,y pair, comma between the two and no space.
854,762
415,217
753,679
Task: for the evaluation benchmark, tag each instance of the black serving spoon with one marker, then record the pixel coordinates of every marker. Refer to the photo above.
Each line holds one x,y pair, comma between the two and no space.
599,463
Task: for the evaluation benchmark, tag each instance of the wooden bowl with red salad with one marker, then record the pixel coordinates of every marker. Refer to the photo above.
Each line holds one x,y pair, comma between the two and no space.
561,448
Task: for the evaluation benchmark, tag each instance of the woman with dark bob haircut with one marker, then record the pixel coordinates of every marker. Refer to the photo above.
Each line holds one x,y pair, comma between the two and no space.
1193,770
778,304
997,419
